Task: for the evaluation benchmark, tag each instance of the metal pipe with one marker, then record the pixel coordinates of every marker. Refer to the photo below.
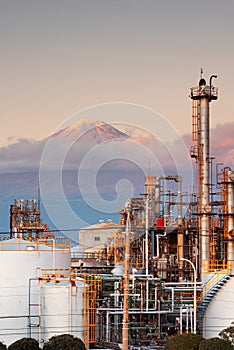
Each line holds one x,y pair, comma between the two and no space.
147,235
116,295
182,284
107,327
191,318
194,294
155,297
70,307
212,76
126,279
142,298
135,312
157,197
230,212
181,320
172,297
157,242
180,242
147,249
187,320
147,295
40,341
179,180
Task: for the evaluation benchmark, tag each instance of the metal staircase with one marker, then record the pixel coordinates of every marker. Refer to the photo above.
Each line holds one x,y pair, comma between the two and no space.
211,288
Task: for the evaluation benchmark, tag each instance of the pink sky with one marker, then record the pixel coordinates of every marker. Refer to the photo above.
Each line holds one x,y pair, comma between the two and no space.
58,57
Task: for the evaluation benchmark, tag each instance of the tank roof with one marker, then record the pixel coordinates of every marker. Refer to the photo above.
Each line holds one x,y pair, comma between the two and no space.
22,245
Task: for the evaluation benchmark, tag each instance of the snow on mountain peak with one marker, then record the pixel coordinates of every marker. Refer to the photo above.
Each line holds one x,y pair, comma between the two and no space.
99,130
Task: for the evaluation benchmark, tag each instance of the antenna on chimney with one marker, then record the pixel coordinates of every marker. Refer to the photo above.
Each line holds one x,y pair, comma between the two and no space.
201,74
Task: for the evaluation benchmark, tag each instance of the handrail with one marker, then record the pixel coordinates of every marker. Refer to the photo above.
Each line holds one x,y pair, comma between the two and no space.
55,274
61,244
212,282
217,267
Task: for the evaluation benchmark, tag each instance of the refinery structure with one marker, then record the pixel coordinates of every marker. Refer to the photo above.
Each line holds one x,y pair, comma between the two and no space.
160,272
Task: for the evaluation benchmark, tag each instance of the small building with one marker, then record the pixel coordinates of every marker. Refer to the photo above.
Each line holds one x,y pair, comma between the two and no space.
96,237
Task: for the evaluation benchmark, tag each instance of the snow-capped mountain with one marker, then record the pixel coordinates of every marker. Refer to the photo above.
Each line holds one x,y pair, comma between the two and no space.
94,129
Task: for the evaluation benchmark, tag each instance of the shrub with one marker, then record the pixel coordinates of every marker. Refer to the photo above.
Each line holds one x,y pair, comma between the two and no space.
64,342
188,341
24,344
228,333
2,346
215,344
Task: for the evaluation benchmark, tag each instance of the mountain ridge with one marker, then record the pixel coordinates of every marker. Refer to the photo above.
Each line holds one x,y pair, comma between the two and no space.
95,129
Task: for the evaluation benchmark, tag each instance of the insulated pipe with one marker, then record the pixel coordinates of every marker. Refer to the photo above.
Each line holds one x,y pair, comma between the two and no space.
128,211
180,237
179,180
157,197
147,235
147,249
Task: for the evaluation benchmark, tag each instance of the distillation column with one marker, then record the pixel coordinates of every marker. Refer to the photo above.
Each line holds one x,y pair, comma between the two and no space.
230,212
203,95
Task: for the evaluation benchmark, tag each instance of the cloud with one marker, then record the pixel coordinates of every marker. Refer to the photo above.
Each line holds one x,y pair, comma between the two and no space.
22,155
110,169
142,149
221,143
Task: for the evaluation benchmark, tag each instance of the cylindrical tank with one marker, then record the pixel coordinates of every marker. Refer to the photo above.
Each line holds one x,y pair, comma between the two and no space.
62,305
20,263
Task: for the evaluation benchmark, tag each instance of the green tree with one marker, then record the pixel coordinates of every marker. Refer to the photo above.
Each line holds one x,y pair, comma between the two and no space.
64,342
188,341
215,344
2,346
228,333
24,344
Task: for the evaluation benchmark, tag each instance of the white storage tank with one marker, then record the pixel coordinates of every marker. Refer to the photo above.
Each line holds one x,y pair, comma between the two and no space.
220,312
21,262
62,305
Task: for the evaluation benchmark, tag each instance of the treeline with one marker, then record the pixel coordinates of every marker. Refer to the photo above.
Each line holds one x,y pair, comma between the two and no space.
192,341
60,342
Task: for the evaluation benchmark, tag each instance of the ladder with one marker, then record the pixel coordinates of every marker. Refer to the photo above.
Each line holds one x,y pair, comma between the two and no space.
195,120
